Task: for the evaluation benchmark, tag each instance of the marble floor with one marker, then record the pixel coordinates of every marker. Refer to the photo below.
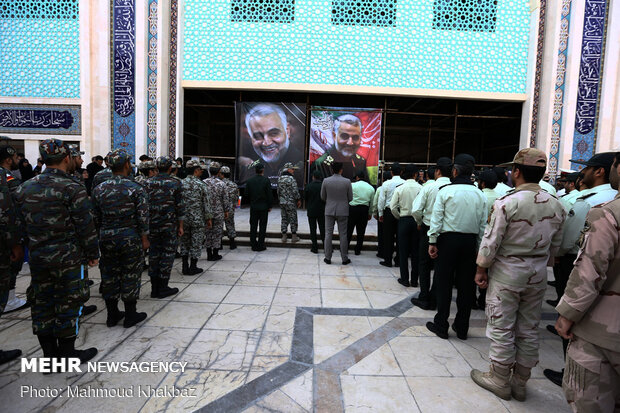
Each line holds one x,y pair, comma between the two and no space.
278,331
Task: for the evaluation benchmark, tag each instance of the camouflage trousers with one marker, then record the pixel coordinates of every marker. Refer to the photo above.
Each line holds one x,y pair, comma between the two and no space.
161,253
289,216
57,296
121,268
513,315
214,234
5,279
192,241
592,377
230,225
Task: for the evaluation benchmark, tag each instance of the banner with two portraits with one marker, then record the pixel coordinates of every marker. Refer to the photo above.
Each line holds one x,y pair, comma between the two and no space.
274,134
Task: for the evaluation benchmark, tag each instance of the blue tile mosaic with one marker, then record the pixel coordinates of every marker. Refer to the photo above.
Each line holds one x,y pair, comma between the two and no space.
42,120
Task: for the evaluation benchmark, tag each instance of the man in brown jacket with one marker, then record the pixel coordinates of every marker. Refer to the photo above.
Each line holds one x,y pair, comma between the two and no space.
589,311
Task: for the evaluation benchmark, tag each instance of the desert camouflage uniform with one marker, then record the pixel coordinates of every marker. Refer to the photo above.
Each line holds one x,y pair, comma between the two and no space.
197,213
592,301
122,216
218,205
102,176
524,228
288,196
61,234
9,236
165,211
232,193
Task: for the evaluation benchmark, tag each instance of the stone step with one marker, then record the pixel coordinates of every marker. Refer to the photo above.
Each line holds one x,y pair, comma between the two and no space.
304,243
367,238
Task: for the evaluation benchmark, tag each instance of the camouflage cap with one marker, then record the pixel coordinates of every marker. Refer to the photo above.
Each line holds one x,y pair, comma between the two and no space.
192,163
164,162
75,152
225,170
147,165
53,150
289,165
118,157
214,165
175,165
529,157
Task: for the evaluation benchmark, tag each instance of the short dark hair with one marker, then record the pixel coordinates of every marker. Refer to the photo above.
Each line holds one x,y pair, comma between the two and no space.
336,167
143,158
317,174
445,170
214,171
531,174
118,168
501,174
191,170
226,174
164,170
410,171
387,175
430,172
396,169
98,158
463,170
489,178
361,175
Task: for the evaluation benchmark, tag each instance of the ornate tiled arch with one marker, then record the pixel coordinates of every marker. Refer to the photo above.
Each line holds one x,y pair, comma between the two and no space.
542,19
151,103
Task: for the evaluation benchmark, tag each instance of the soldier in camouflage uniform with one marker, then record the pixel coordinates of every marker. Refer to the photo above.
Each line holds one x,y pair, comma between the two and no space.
197,218
232,192
146,169
61,234
290,200
77,161
220,209
8,162
523,234
10,250
166,214
102,175
589,311
122,216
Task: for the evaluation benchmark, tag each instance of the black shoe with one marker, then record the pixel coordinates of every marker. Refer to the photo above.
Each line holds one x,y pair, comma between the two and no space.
314,250
66,348
154,287
552,330
88,309
554,376
403,282
210,254
459,335
90,282
552,283
114,316
434,329
164,290
233,244
346,262
386,264
424,305
9,355
253,249
133,317
553,303
326,261
177,254
185,268
357,252
414,282
216,256
193,269
263,248
49,345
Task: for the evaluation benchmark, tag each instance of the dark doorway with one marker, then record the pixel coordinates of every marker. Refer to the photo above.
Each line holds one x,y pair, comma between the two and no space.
418,130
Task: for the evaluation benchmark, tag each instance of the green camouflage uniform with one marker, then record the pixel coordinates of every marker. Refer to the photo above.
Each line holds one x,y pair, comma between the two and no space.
592,301
218,205
122,216
61,233
288,196
15,267
9,236
524,228
232,193
197,213
102,176
165,211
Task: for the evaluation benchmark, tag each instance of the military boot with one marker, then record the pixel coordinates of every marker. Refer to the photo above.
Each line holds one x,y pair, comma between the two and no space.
164,290
233,244
295,238
154,287
496,380
284,237
210,255
49,345
216,256
132,317
66,349
9,355
193,269
185,269
114,316
520,376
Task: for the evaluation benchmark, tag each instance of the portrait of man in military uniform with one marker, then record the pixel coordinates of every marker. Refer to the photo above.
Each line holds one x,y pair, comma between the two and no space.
338,136
272,134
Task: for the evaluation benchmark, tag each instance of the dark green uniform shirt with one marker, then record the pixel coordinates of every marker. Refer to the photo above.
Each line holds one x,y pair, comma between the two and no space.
258,192
314,203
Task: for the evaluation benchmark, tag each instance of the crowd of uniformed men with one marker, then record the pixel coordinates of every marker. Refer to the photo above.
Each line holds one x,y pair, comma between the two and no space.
471,227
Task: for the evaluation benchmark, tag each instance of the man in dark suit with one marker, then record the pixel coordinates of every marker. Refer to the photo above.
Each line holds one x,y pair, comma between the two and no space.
258,192
316,209
337,192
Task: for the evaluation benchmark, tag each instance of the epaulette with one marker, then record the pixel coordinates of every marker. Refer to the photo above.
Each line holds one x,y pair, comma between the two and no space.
443,186
400,185
586,196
